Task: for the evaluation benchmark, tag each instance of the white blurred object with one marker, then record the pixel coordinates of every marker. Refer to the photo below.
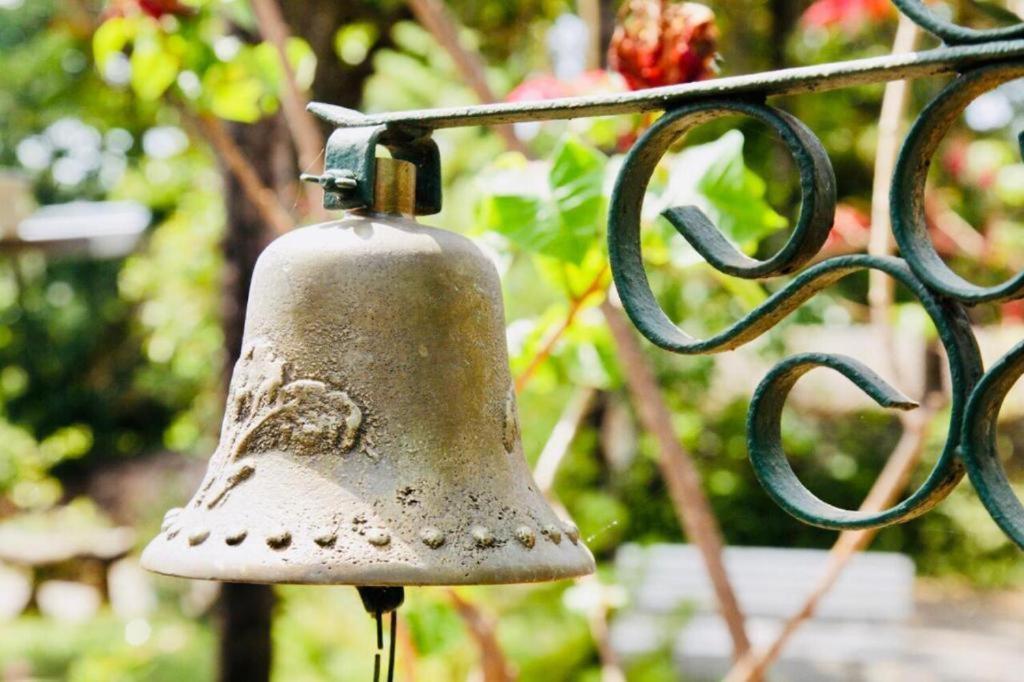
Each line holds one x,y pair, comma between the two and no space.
137,631
15,591
67,601
863,618
527,130
200,597
989,111
164,142
568,44
130,589
99,229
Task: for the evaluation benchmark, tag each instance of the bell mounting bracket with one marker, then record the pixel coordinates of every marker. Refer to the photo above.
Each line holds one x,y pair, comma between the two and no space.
350,164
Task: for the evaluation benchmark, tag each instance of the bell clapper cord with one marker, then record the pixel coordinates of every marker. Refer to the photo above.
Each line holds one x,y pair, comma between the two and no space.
979,59
377,601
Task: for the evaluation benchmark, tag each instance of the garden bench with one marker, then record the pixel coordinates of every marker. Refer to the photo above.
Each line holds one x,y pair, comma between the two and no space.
864,617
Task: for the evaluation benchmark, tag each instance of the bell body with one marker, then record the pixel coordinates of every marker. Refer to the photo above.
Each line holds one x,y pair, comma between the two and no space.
371,434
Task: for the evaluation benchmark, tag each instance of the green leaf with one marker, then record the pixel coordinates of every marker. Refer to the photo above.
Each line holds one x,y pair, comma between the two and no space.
564,220
527,221
352,42
715,177
577,190
154,68
261,61
110,38
233,93
302,60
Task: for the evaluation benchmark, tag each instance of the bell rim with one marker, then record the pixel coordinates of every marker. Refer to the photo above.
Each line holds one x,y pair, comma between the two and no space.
578,562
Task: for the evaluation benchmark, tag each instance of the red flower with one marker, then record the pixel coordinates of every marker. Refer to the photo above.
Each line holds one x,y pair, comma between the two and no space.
847,14
1013,310
850,230
663,43
153,8
548,87
538,87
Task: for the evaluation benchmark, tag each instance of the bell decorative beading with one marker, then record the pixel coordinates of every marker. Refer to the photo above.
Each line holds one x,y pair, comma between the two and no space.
371,434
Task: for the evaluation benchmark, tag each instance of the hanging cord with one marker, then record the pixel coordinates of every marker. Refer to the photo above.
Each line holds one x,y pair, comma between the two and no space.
391,646
380,646
377,601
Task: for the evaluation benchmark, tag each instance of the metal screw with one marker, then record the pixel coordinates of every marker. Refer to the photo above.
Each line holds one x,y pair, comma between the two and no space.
333,179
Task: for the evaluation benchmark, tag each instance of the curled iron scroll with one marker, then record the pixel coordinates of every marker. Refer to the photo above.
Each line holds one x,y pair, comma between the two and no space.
817,207
979,448
911,173
763,422
816,212
979,426
954,34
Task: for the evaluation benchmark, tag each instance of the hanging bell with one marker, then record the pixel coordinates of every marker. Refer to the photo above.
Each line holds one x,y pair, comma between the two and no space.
371,434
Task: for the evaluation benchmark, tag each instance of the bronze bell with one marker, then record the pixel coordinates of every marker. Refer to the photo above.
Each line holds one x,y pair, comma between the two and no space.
371,435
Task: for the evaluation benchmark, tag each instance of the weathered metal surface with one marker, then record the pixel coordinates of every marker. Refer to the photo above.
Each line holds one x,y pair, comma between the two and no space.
764,442
979,444
350,161
983,58
371,435
818,198
907,191
954,34
769,83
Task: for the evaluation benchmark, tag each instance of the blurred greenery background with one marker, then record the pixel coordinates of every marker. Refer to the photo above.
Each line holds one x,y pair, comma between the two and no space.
112,368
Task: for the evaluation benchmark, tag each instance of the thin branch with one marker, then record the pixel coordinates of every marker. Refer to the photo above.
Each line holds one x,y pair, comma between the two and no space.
597,619
232,156
557,445
555,449
678,470
438,21
548,345
305,132
590,12
880,240
408,655
492,661
952,225
904,457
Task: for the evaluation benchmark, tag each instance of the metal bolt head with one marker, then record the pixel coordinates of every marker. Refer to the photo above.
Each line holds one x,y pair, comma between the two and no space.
483,537
432,537
551,532
378,537
526,537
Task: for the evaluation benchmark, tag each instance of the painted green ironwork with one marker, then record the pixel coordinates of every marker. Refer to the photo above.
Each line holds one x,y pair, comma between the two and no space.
907,190
350,165
983,59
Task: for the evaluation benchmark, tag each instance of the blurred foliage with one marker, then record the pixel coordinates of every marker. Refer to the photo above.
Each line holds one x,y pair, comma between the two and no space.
106,360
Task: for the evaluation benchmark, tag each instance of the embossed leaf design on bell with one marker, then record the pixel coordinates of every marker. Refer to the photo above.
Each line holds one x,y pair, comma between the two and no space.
371,433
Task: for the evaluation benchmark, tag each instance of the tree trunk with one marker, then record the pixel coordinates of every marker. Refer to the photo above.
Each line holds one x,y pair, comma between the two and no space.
246,610
785,15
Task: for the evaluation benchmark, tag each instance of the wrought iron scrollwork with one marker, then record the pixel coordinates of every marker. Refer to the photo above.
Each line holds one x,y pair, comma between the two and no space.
951,33
817,206
907,190
982,59
763,424
976,397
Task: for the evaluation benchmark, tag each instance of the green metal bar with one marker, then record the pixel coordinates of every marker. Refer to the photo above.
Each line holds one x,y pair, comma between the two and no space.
770,83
